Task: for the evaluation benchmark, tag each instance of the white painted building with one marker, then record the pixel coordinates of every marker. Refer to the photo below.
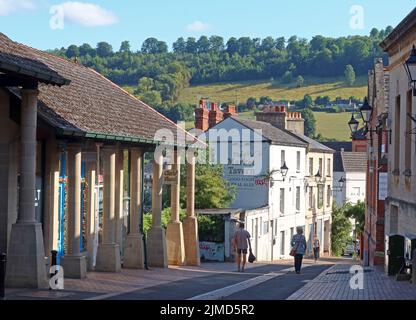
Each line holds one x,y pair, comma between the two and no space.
351,167
274,206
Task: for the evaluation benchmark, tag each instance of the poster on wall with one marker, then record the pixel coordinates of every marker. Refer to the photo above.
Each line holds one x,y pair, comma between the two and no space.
211,251
382,185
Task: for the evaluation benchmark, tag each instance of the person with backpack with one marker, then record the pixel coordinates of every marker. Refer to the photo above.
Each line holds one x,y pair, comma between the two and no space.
298,248
241,242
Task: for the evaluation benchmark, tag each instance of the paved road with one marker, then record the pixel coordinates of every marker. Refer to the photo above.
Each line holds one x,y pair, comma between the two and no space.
268,282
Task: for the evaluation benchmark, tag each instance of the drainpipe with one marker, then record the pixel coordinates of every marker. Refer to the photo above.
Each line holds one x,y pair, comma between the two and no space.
141,215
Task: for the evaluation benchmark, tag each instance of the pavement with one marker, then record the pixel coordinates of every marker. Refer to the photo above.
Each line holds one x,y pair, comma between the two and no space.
335,284
327,279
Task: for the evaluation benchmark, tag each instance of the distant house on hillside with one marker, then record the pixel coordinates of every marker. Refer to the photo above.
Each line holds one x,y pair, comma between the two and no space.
280,103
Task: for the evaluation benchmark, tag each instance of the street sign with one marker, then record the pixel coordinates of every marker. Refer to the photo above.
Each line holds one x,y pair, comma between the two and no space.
170,176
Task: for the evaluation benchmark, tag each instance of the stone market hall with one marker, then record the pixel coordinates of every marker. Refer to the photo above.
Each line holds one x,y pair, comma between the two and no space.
72,150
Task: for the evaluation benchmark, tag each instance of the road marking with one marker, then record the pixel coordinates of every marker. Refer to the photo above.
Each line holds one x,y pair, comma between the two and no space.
227,291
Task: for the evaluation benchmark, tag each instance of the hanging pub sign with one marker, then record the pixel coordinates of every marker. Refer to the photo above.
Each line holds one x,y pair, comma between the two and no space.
170,176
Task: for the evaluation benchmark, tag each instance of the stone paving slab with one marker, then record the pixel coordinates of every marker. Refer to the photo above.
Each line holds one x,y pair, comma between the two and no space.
104,285
334,284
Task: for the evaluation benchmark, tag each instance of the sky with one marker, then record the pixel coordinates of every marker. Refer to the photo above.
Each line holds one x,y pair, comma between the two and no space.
49,24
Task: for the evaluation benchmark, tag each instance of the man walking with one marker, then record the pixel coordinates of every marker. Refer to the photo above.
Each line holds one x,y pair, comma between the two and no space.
241,242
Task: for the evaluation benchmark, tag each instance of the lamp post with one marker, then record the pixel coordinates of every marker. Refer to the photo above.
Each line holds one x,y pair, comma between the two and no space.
283,171
367,113
410,66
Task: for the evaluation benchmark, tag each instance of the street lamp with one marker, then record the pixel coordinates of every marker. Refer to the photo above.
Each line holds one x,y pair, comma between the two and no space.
353,124
318,177
410,66
366,112
340,185
284,169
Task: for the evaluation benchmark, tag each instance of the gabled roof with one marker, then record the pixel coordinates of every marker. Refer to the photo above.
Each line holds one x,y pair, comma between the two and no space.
91,105
350,161
275,135
314,145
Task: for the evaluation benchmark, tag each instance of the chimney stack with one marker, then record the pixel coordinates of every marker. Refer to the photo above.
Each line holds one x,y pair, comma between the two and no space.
202,116
230,111
215,115
280,118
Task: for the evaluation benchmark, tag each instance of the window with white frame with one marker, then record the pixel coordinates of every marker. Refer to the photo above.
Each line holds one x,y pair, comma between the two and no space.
282,200
298,161
297,198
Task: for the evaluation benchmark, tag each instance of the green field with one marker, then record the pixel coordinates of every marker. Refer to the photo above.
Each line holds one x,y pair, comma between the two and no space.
329,125
241,91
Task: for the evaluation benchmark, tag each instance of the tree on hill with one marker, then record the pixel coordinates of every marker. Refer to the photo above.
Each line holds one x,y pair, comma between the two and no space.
251,103
349,74
310,122
299,81
307,101
104,49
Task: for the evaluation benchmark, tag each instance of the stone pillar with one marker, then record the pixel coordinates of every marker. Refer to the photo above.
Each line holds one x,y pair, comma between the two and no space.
119,194
134,246
73,262
174,231
108,253
51,222
157,241
9,131
26,255
90,176
190,223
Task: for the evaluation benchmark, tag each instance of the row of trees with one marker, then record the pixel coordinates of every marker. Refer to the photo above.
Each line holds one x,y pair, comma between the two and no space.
213,59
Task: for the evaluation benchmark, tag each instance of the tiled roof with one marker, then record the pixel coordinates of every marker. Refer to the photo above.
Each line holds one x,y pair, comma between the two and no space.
350,162
313,144
90,104
12,62
270,132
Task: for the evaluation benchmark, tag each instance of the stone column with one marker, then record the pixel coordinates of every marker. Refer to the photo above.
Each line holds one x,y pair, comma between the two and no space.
174,231
90,176
73,262
119,194
134,247
190,223
108,253
26,255
51,222
157,241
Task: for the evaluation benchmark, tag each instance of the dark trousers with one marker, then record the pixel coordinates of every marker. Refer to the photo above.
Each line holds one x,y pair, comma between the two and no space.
298,262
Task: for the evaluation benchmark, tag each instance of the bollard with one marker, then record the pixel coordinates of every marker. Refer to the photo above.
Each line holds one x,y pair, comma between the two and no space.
2,275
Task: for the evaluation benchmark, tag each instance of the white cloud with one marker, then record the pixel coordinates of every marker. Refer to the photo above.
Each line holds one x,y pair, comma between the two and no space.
87,14
198,26
8,6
